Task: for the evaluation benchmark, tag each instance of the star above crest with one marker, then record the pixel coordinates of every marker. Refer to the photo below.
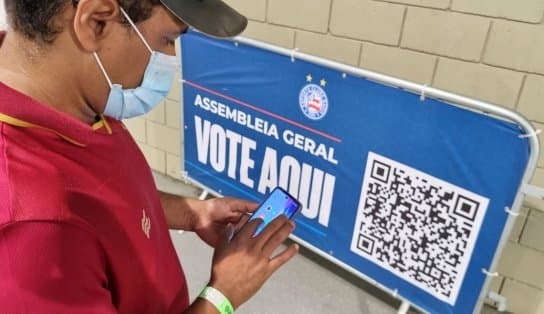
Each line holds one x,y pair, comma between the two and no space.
310,78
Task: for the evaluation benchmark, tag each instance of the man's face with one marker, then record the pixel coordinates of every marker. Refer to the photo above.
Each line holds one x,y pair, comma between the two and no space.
125,56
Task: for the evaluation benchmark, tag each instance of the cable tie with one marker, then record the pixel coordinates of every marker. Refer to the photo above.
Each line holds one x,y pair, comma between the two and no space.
423,92
532,134
490,274
293,52
510,212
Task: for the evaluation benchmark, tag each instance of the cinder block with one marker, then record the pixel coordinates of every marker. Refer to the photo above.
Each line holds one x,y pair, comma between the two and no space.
496,284
526,11
173,166
397,62
311,15
253,9
175,90
531,103
155,158
136,127
276,35
533,233
515,235
373,21
538,180
479,81
164,138
523,299
173,114
342,50
516,45
445,33
157,114
522,264
438,4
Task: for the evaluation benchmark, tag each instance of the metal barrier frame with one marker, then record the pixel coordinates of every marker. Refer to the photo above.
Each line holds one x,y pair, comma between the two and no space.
425,91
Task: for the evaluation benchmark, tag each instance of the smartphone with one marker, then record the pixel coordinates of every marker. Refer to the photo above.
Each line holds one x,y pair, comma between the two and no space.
278,202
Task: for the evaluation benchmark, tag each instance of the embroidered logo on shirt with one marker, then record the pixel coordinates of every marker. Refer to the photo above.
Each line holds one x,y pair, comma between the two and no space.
146,224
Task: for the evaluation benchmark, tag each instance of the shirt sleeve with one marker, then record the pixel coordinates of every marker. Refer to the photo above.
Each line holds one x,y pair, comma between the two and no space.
52,268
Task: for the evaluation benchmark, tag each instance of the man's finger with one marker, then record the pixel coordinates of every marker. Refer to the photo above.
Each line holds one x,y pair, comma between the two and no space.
283,257
242,206
277,238
224,237
248,230
229,234
240,223
271,229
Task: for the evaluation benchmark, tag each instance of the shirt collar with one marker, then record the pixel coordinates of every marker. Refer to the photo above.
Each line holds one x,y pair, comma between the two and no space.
23,111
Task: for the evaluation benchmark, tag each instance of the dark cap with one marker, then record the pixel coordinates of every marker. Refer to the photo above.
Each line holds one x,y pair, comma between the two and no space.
212,17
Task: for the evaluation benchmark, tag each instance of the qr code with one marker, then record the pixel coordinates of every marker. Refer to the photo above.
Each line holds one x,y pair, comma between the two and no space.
418,227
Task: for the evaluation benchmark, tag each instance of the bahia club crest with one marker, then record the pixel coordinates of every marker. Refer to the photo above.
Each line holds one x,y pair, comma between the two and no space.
313,100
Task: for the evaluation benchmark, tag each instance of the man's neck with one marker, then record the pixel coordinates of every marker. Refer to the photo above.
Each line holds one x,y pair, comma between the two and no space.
33,70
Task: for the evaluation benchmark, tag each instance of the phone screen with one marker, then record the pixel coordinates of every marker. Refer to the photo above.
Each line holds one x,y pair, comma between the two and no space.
277,203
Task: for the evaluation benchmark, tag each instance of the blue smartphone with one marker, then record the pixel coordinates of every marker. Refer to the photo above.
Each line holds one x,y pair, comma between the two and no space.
278,202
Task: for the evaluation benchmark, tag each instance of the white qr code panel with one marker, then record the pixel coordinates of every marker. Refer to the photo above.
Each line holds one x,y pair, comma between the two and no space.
418,227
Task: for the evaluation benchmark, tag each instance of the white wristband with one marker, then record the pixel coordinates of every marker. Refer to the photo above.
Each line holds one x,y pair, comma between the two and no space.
216,298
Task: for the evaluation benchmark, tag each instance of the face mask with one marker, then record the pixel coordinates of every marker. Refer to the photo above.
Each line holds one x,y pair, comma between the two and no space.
156,84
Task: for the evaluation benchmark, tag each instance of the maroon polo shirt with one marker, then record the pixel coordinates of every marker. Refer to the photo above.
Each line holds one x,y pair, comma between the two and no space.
81,225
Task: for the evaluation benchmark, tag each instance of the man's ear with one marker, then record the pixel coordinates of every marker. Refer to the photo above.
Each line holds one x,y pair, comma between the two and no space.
93,21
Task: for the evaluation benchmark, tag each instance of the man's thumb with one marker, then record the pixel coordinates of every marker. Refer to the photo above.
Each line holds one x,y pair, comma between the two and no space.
229,232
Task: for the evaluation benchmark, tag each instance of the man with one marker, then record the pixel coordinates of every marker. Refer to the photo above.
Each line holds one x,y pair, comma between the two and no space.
81,228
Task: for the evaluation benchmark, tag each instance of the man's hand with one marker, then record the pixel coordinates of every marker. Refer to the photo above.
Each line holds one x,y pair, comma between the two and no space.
207,218
218,213
241,266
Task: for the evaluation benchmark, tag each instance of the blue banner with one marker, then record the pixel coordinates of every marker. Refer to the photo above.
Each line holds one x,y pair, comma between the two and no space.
410,193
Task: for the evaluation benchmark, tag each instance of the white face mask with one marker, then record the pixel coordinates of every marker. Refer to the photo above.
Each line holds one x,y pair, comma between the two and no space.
156,84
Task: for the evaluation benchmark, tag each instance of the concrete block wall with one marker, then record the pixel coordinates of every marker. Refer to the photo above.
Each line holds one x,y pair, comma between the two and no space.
487,49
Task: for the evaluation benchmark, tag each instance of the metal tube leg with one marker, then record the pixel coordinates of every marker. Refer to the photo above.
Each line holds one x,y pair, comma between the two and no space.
203,195
404,307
